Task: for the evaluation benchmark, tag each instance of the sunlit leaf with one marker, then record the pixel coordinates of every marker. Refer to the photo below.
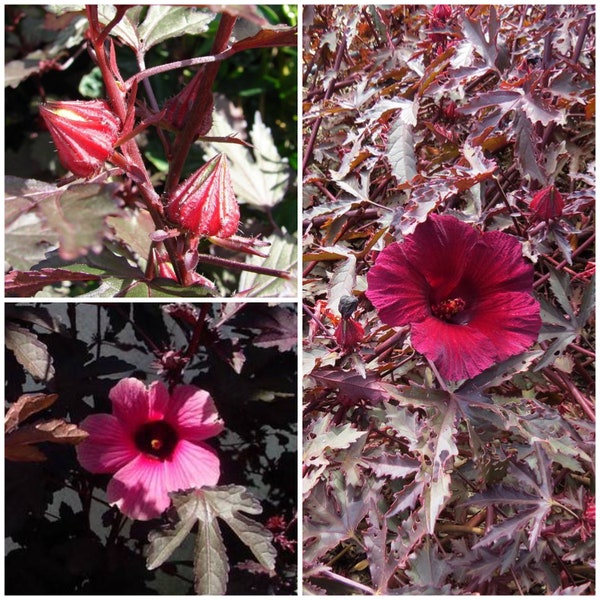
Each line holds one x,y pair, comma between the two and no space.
230,504
25,406
78,215
29,351
400,151
283,256
19,444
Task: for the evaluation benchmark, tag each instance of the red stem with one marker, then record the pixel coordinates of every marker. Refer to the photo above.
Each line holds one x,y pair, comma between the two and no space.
134,164
198,330
315,129
564,263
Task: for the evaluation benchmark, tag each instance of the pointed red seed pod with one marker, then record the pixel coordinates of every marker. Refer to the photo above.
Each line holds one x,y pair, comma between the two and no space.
547,204
84,133
205,204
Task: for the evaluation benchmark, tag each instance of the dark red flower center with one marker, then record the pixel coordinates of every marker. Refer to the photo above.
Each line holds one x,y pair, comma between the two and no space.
448,309
157,439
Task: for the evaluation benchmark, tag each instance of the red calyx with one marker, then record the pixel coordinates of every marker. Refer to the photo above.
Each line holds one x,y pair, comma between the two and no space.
349,333
84,133
442,12
547,204
204,204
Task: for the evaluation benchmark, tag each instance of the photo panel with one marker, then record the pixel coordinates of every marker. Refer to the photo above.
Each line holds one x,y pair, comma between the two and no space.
151,151
449,341
147,441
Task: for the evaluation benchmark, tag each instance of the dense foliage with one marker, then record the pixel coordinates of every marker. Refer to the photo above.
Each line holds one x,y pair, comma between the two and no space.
415,483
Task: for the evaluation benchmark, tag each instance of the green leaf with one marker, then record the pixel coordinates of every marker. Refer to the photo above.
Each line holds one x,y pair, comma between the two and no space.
559,282
260,178
426,567
133,228
400,151
283,256
211,568
440,450
343,282
163,288
160,23
126,28
205,506
164,22
229,503
78,216
321,438
164,542
563,330
27,236
587,303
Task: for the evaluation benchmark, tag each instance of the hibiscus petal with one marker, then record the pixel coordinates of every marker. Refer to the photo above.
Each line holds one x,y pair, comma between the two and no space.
193,414
441,249
158,401
139,489
192,465
108,446
458,351
497,265
398,291
130,402
511,321
465,294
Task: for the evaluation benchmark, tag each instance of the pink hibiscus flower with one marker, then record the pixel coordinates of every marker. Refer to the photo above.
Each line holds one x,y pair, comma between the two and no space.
466,295
153,443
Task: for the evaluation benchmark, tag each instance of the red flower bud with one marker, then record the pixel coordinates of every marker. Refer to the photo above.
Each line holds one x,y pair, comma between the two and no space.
349,334
449,111
84,133
205,204
177,108
442,12
547,204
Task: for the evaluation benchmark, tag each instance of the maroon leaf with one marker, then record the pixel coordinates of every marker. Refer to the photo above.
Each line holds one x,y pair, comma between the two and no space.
19,443
274,327
30,352
353,386
278,35
29,283
25,406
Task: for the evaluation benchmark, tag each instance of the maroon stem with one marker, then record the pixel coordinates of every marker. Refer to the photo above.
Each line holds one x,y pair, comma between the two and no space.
202,103
234,264
315,129
198,330
134,165
564,263
178,64
582,35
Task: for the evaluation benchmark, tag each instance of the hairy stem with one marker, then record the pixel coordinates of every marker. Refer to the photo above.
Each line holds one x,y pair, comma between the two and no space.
134,163
234,264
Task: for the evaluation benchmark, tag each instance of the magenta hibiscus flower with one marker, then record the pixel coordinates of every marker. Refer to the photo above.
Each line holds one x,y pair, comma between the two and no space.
466,295
153,443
